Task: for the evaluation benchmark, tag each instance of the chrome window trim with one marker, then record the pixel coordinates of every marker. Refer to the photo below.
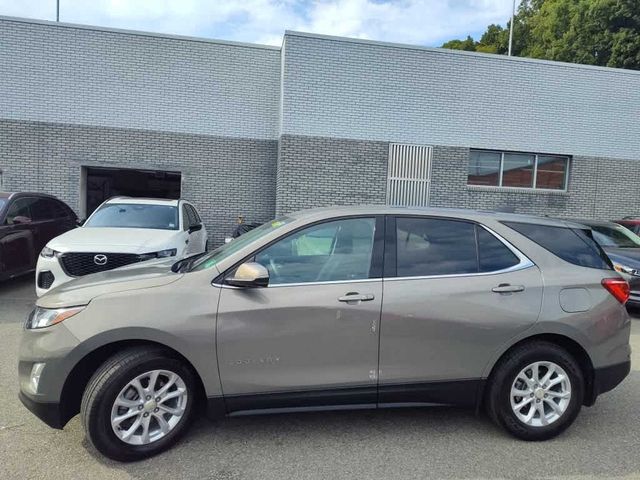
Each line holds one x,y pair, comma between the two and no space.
299,284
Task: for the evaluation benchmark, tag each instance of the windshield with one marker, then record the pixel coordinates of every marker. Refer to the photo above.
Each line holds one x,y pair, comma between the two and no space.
615,237
3,202
125,215
220,253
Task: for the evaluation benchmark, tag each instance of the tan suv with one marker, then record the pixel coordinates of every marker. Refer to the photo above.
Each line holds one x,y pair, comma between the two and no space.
341,307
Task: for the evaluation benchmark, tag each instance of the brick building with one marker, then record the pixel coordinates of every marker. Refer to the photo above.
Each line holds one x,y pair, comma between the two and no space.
86,113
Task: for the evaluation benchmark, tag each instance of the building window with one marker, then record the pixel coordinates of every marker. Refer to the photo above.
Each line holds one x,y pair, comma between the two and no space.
518,170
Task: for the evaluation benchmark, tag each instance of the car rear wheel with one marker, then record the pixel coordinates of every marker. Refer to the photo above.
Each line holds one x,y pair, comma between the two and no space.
536,391
138,404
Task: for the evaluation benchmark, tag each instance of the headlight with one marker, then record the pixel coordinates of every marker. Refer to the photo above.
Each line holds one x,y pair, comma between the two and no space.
48,252
170,252
45,317
624,269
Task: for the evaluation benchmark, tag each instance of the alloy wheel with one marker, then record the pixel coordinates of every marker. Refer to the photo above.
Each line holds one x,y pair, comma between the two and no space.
149,407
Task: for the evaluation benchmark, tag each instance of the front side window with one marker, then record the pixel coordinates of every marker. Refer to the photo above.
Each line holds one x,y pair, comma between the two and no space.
334,251
20,211
517,170
124,215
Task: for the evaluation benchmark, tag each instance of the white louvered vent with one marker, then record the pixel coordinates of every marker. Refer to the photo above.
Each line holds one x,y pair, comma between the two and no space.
409,175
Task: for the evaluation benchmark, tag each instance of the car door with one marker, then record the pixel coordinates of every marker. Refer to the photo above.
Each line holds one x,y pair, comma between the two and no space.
17,240
311,336
454,292
44,223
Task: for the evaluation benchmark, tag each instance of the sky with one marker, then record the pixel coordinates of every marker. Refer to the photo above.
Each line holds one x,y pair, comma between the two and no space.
419,22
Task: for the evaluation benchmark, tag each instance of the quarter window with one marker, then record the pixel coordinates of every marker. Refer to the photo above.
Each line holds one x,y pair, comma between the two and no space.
575,246
332,251
519,170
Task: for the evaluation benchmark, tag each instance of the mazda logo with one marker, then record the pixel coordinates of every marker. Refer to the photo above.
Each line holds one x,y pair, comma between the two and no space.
100,259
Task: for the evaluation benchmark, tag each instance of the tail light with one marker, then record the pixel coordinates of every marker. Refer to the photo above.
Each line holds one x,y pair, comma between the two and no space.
617,287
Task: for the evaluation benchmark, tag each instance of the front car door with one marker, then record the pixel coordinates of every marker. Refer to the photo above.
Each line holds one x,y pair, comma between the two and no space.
454,292
311,337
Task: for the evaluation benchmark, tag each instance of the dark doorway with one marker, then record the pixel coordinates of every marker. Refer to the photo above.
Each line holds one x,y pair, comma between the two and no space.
104,183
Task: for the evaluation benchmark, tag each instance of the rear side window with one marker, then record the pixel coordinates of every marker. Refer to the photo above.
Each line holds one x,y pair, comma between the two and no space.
430,246
572,245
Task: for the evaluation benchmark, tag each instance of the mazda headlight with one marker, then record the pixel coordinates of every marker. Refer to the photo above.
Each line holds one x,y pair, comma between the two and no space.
624,269
170,252
48,252
45,317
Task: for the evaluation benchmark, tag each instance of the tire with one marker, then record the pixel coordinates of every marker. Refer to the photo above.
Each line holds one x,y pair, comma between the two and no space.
206,246
109,382
499,399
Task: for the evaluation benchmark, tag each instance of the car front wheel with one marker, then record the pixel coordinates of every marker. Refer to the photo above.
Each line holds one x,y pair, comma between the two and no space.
536,391
138,404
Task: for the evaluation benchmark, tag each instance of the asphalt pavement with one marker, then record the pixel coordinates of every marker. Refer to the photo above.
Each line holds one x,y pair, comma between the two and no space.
411,443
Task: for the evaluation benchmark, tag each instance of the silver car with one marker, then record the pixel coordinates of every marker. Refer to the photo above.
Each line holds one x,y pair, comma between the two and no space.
336,308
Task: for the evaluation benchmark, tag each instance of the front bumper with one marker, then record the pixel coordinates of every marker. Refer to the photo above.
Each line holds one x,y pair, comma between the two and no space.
49,412
50,264
56,348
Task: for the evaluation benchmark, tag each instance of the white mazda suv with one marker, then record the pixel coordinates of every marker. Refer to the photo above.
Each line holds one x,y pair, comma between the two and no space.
122,231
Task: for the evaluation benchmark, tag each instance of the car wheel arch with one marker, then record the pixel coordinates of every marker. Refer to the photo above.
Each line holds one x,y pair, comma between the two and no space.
79,376
571,345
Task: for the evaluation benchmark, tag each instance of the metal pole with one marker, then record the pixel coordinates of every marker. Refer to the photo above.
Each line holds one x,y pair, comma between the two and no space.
57,10
513,14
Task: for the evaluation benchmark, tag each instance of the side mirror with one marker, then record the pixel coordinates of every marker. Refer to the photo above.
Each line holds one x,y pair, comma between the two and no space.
249,275
195,228
21,220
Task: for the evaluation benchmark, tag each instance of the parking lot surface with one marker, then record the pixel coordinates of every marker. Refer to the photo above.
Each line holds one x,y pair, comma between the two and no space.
436,442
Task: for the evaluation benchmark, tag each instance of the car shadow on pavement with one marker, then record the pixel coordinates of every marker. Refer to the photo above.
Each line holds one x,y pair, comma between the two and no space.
431,442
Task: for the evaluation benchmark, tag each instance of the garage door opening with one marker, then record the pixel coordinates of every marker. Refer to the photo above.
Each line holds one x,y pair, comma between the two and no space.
103,183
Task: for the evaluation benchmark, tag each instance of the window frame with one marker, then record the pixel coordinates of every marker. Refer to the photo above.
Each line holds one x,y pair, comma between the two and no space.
533,187
375,268
390,259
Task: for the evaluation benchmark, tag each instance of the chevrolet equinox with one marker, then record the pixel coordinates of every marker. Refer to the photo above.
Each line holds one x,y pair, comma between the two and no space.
336,308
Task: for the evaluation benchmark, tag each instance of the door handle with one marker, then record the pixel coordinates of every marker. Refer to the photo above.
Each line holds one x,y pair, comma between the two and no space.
356,297
506,288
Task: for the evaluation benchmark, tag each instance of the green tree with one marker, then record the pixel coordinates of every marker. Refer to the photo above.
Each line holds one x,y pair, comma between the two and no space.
593,32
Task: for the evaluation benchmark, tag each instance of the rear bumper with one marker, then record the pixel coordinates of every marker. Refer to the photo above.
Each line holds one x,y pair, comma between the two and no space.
607,378
49,412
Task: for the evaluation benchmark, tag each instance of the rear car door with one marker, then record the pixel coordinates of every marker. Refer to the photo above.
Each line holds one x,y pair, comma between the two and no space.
18,249
311,336
454,292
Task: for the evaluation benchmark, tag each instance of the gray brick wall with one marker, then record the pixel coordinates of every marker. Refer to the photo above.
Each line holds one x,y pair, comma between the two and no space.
317,172
223,176
79,75
365,90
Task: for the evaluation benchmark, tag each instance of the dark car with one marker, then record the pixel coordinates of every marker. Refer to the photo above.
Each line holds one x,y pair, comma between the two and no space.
622,246
27,222
632,223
